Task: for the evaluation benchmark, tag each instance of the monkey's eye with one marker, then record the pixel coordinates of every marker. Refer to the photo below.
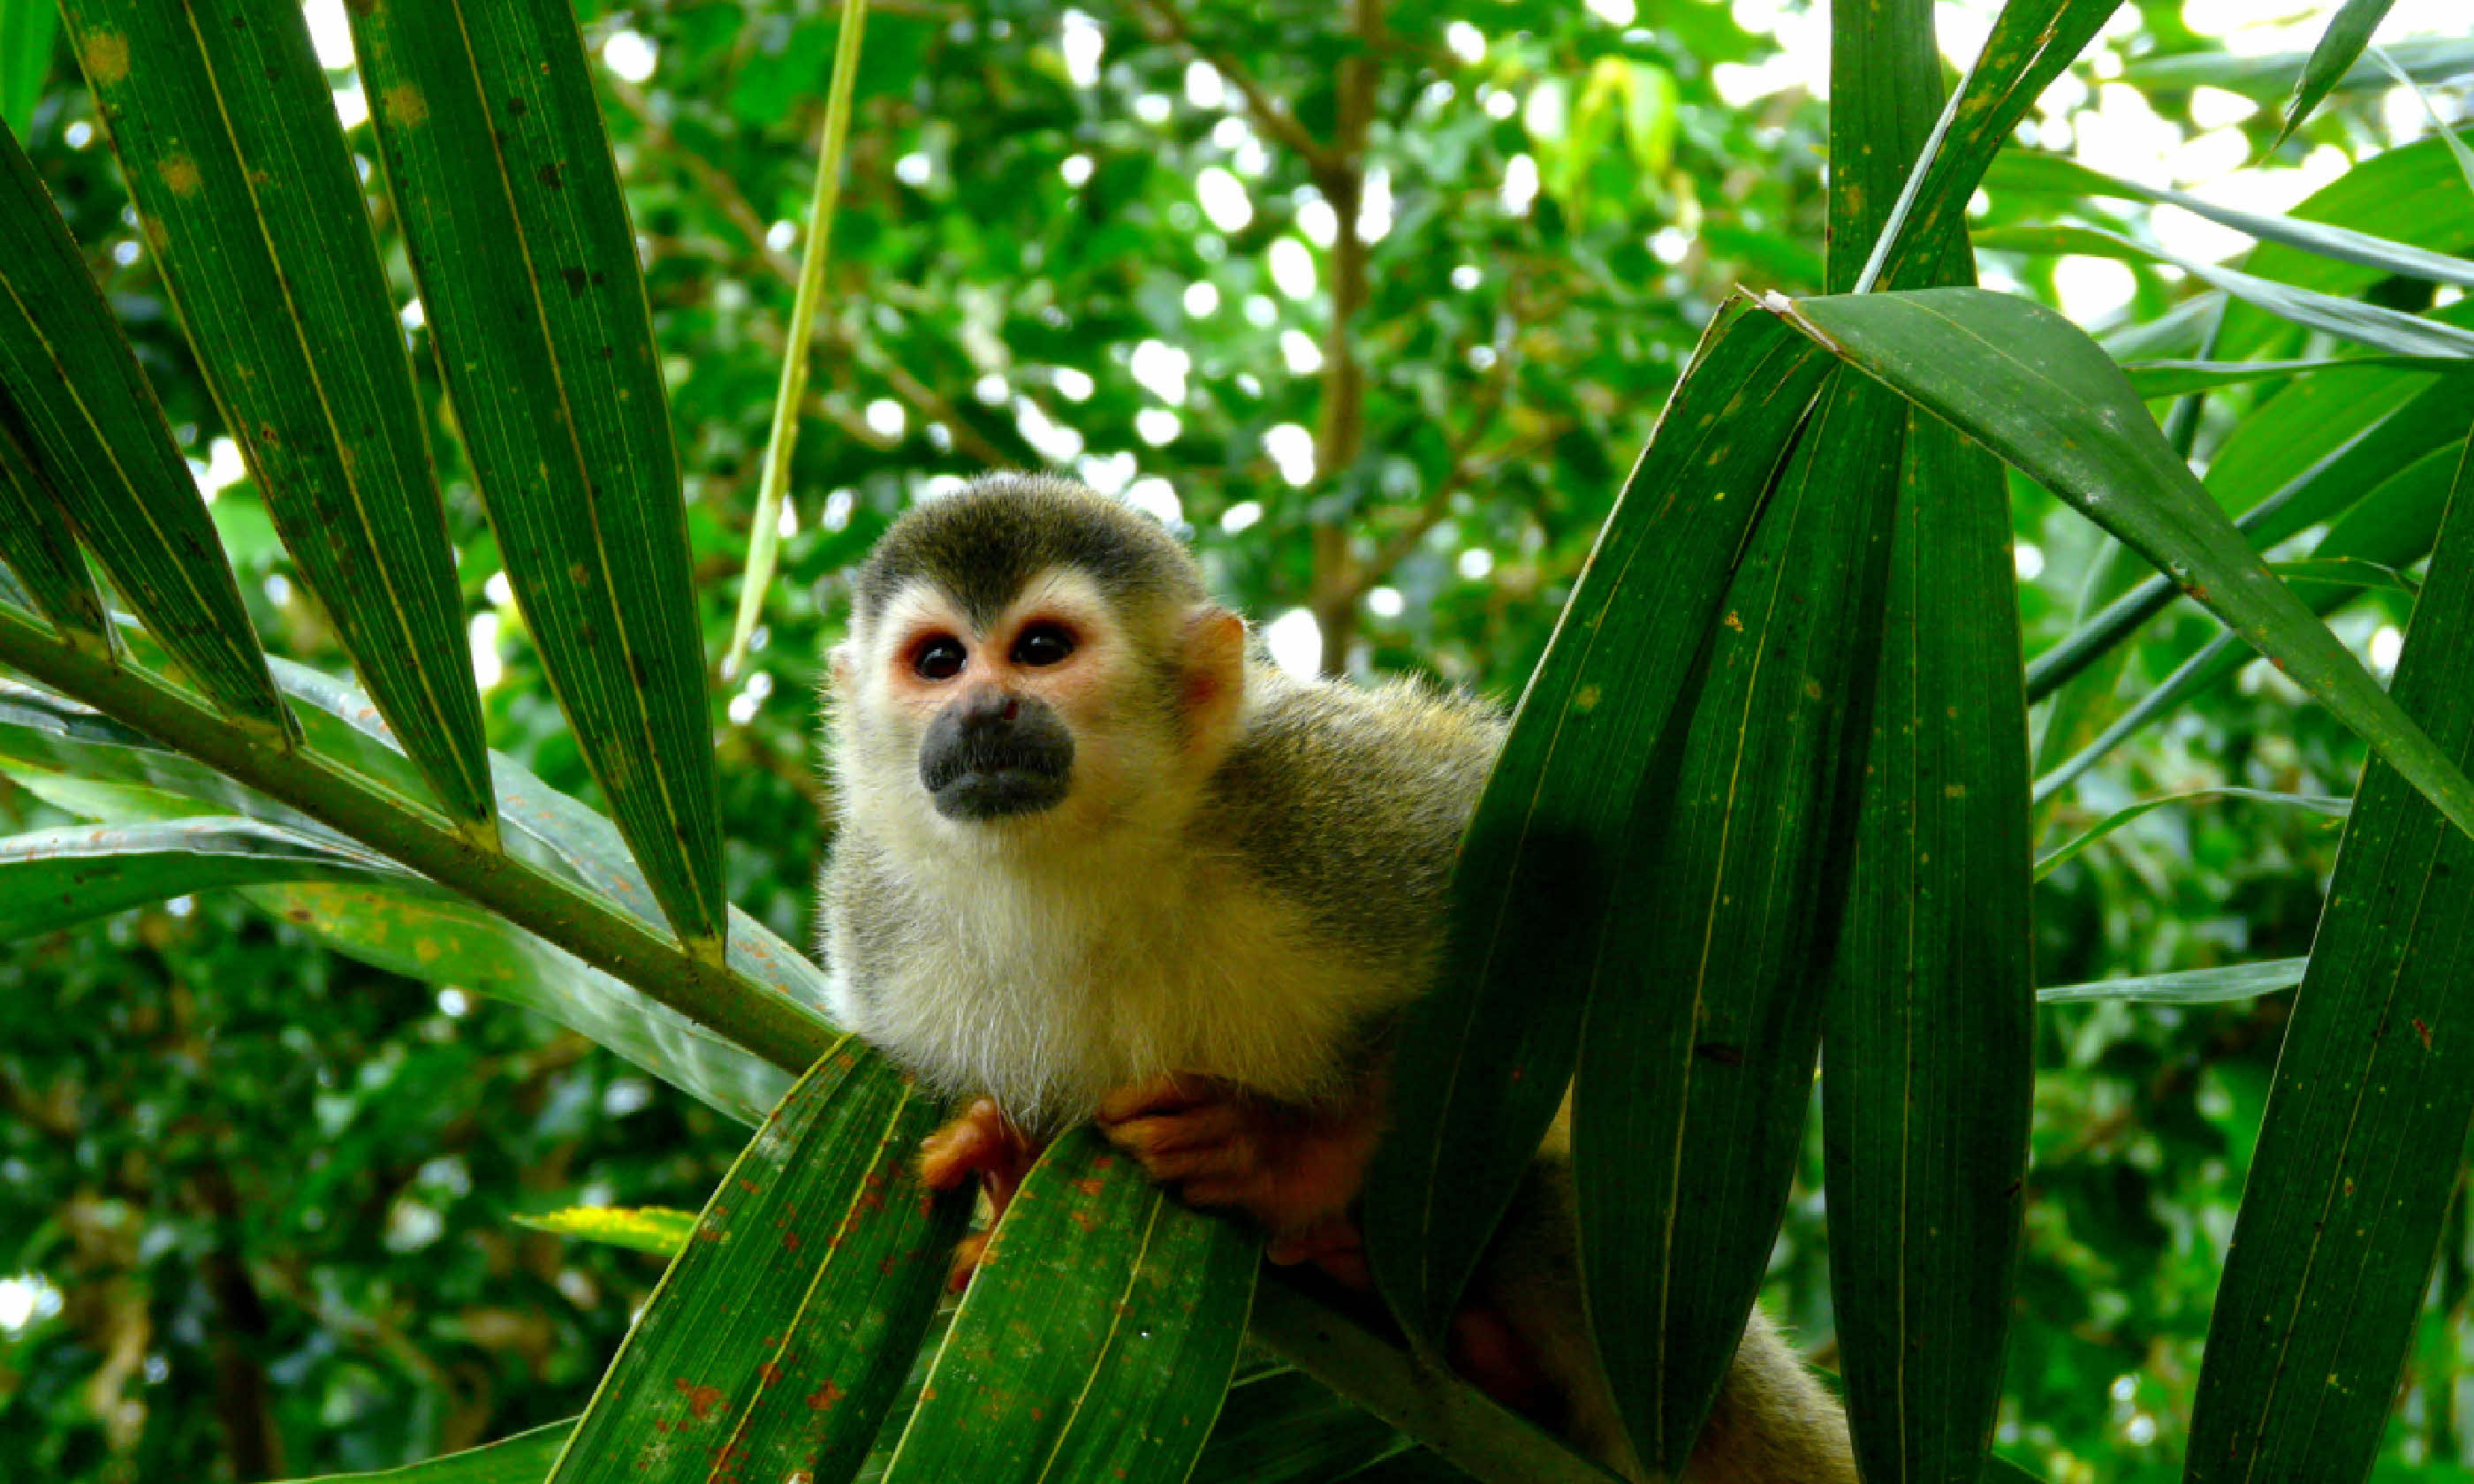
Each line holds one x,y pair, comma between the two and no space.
1042,643
939,659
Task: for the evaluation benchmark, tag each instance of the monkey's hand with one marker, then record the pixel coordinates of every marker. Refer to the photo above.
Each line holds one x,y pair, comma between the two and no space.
1296,1170
982,1142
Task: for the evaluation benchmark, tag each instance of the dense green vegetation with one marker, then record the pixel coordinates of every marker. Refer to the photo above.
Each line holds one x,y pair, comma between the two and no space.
1380,305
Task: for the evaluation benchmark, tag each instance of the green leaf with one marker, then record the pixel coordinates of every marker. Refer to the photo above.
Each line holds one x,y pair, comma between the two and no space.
2339,49
2343,1212
2444,130
2187,987
1924,1107
1097,1339
36,544
1286,1427
2027,170
783,1328
226,134
1484,1057
2028,46
2347,318
422,933
2411,194
87,764
2172,378
2346,572
1928,1010
2053,860
2392,526
2336,458
496,161
2430,59
26,31
71,393
798,342
1705,1016
522,1459
49,878
546,827
1459,1423
2029,386
649,1229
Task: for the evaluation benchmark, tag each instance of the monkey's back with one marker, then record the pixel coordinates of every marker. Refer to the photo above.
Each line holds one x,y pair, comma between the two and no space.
1350,802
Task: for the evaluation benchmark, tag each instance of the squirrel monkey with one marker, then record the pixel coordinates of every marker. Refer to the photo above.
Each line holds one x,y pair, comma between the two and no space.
1096,860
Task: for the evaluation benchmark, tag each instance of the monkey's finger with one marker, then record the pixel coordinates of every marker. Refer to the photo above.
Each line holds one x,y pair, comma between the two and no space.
1174,1092
976,1141
1232,1158
967,1254
1207,1123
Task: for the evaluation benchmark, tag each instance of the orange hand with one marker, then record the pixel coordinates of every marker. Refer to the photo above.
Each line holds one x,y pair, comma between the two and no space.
1296,1170
982,1142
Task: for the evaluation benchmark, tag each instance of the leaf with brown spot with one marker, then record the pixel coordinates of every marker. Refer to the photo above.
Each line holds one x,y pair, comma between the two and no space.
773,1358
1085,1352
224,124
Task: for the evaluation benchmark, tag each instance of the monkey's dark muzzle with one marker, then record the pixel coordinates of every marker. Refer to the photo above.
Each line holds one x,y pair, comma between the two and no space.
992,756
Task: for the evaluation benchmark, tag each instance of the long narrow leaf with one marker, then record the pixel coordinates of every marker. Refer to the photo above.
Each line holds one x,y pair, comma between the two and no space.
2326,488
1929,1073
2342,1210
72,392
522,1459
781,1332
2024,169
36,544
1097,1339
26,31
1928,1004
2393,526
426,934
497,160
2431,58
2340,47
49,878
1705,1018
2028,385
2174,378
89,765
2054,860
1485,1057
2366,324
2028,46
227,137
2188,985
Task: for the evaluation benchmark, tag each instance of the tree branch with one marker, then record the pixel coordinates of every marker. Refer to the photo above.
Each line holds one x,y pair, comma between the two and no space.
1164,26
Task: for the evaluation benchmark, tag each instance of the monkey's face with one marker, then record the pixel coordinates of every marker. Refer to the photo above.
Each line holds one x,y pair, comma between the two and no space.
1058,716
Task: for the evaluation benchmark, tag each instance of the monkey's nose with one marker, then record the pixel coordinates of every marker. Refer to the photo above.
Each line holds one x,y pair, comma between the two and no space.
990,706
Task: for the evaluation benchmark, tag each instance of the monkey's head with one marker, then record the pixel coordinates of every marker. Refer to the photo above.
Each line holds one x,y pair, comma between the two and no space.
1030,661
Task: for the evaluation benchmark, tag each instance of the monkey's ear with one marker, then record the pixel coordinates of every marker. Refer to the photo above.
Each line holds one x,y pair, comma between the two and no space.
843,662
1214,674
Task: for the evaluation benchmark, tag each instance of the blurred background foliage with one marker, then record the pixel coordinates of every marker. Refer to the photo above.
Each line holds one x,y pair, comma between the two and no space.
257,1201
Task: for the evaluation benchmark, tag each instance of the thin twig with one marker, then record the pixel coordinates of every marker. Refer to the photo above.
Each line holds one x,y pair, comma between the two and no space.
1167,28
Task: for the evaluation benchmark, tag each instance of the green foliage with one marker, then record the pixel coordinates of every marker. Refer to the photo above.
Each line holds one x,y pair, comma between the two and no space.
265,1205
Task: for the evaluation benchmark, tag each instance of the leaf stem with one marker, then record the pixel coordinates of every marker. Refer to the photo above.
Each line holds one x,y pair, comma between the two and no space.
596,930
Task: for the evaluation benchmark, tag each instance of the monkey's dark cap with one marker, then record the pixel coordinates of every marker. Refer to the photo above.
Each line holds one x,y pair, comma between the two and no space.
981,545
